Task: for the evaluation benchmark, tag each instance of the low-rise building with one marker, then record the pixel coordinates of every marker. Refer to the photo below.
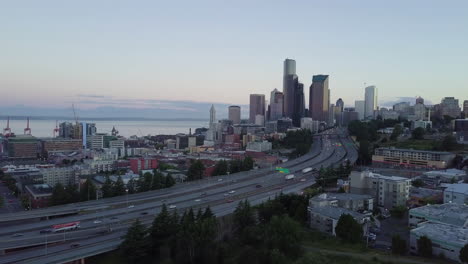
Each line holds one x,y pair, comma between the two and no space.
54,145
354,202
143,163
39,195
435,178
23,146
258,146
449,213
388,191
326,218
447,240
456,193
413,158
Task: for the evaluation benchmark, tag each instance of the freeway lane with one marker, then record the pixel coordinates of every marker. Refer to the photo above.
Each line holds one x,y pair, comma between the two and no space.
244,189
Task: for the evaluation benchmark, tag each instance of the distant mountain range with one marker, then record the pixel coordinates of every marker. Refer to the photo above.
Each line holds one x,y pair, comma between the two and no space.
179,110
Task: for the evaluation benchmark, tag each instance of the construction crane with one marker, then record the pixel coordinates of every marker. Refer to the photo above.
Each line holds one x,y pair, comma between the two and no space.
7,129
56,129
27,130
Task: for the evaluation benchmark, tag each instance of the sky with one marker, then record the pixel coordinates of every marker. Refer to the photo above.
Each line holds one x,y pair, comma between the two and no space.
163,54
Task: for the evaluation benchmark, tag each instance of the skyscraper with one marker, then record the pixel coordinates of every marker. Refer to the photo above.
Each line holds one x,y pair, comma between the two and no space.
299,105
465,108
234,113
276,105
212,115
359,106
257,106
319,98
340,104
290,81
370,102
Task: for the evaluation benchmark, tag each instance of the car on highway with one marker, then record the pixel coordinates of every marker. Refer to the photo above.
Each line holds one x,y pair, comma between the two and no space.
144,213
232,191
45,231
306,170
97,221
229,201
197,200
114,218
258,186
203,194
17,235
131,206
172,206
303,180
75,245
220,180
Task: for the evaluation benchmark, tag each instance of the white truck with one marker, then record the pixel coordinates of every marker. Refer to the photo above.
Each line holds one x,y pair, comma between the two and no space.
306,170
289,177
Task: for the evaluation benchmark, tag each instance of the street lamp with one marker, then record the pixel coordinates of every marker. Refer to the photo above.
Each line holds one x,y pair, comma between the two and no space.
126,190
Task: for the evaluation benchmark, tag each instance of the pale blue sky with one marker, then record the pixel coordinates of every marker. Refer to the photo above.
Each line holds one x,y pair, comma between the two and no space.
51,52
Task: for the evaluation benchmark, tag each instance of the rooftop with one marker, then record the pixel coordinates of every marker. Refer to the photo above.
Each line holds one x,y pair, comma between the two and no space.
390,178
38,189
458,188
319,78
443,234
449,213
446,173
414,150
336,212
340,196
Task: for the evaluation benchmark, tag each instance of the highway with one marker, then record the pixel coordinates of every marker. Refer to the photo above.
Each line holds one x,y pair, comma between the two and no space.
221,193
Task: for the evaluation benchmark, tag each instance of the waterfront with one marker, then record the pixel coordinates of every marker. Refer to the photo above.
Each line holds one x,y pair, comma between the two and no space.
44,127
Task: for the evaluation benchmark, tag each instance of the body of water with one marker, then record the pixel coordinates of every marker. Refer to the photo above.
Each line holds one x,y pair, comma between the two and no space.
126,128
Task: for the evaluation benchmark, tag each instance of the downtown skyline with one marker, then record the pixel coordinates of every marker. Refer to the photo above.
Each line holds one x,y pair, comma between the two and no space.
123,57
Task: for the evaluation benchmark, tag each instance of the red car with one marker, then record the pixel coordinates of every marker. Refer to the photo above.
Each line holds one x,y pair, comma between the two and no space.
229,201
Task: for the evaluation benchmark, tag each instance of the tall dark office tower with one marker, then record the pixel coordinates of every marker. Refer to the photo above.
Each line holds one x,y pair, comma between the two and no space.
289,83
257,106
299,105
319,98
340,104
276,105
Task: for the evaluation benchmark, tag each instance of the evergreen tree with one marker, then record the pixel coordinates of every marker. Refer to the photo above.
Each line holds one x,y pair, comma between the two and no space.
196,170
59,195
161,231
235,166
158,181
145,182
247,164
243,216
221,168
169,181
284,234
119,187
464,254
88,192
134,247
132,186
398,245
208,213
424,247
107,188
348,229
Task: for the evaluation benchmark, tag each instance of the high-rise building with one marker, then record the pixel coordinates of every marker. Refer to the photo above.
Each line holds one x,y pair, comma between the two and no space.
299,105
319,98
257,106
340,104
212,115
465,108
359,107
290,83
289,67
370,102
234,114
419,100
449,106
276,105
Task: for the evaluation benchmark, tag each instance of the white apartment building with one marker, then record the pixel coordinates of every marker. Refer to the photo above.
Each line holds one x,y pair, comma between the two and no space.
62,175
389,191
411,157
258,146
95,141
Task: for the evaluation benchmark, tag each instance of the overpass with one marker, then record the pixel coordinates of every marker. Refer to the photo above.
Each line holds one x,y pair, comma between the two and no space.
113,213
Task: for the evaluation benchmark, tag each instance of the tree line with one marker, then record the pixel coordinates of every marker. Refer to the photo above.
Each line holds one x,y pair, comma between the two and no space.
88,191
268,233
328,176
222,167
299,140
